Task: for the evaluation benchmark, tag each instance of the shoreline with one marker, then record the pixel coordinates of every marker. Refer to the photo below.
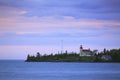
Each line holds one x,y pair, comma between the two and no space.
67,62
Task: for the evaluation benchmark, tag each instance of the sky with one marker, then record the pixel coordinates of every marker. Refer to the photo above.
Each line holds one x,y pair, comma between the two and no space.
49,26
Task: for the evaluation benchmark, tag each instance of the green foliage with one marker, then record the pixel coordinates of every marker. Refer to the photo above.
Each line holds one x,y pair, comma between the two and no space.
87,58
65,57
114,54
31,58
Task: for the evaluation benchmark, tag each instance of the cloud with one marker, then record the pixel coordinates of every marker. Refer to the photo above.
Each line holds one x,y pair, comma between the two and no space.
25,25
100,9
6,12
38,30
44,23
22,30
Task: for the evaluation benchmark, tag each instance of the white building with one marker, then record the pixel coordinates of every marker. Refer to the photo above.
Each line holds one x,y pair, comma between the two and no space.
85,52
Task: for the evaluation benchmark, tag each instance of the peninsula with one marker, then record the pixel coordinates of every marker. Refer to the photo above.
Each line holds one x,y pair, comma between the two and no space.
85,55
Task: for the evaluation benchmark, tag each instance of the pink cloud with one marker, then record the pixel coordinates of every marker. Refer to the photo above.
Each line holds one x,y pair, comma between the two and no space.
42,24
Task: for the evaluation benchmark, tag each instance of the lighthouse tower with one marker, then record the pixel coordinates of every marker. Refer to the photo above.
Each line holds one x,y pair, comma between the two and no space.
81,49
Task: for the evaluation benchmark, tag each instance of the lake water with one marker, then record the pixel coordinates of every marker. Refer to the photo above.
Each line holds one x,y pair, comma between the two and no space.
20,70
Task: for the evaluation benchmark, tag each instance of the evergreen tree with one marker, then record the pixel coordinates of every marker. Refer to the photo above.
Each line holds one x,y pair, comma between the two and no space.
28,57
104,51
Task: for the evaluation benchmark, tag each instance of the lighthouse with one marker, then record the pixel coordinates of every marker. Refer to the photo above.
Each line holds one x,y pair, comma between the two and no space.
85,52
81,48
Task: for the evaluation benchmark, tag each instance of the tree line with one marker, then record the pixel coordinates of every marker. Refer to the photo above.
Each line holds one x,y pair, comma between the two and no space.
113,53
75,57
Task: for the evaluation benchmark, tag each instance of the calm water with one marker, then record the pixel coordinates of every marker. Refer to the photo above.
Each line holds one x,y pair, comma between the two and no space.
20,70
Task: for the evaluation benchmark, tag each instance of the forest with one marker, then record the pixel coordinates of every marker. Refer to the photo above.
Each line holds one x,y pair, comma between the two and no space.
112,55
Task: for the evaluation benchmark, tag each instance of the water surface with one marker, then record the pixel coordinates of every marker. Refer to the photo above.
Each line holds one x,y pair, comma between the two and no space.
20,70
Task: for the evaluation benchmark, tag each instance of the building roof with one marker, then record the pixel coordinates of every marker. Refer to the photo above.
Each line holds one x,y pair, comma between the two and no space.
86,50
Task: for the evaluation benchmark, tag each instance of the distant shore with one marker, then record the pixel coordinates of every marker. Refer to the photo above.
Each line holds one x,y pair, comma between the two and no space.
105,56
